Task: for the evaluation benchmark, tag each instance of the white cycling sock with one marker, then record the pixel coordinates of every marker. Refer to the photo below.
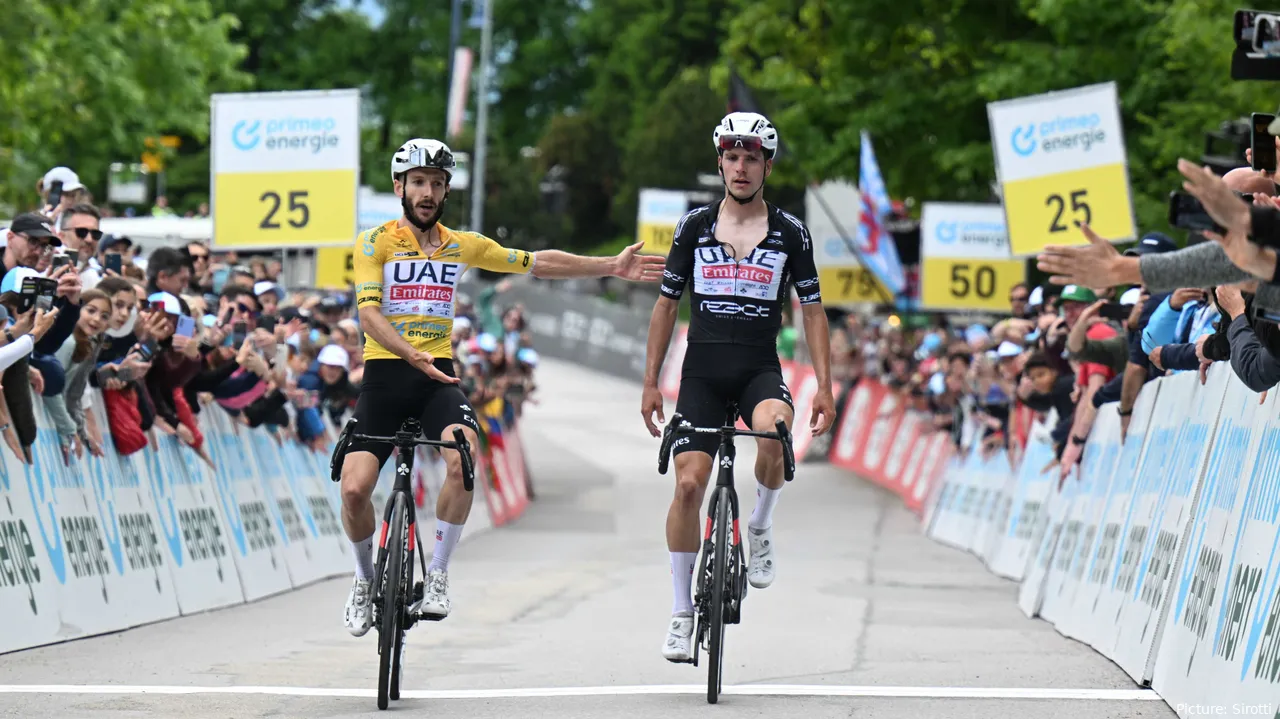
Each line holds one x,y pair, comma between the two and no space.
447,536
682,564
364,558
762,516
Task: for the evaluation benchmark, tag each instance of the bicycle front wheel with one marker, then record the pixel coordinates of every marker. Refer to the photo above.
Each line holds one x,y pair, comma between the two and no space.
391,629
719,595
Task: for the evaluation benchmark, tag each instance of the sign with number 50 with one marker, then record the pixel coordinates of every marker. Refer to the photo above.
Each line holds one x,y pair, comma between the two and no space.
285,168
1061,162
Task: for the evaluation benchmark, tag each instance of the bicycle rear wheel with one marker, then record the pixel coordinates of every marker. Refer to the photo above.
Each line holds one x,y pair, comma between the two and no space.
391,629
715,663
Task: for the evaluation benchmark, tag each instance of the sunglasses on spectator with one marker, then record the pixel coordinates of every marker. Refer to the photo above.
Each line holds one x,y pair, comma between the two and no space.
83,232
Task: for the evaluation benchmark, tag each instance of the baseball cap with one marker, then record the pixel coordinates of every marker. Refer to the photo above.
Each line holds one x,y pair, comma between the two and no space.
487,342
1131,296
12,281
172,305
1008,349
335,356
70,180
262,288
1076,293
1036,298
1152,243
527,355
35,226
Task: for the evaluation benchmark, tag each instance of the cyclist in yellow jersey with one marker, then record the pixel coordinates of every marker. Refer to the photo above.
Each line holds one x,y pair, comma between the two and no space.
406,274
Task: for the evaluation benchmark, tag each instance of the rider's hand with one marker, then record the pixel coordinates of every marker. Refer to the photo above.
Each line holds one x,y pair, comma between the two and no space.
426,364
650,402
824,412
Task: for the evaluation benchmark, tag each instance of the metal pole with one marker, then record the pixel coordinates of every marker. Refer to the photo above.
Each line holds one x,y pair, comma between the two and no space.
455,36
482,121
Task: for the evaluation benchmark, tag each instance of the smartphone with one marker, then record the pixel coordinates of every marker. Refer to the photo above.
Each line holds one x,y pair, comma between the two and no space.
1262,142
58,261
186,326
45,291
114,262
55,193
267,322
1187,213
1115,311
239,333
27,297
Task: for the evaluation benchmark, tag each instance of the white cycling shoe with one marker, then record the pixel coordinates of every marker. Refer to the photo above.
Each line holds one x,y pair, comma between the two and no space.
358,615
760,567
435,598
678,646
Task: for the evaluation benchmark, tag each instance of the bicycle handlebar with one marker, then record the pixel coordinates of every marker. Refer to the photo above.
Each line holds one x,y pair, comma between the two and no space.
405,439
780,433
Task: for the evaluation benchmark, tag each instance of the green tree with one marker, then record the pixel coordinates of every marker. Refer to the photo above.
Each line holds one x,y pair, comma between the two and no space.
86,83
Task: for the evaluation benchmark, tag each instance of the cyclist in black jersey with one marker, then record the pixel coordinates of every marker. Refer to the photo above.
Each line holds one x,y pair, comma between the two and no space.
739,257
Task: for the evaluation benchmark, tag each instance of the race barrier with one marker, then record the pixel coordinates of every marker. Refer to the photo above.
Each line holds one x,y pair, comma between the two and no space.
92,545
1158,550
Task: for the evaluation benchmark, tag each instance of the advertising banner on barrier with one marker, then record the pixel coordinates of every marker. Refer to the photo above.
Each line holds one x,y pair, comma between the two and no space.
138,578
257,542
1185,657
949,523
1001,509
1165,500
1094,479
895,465
191,525
1090,618
885,419
328,549
851,435
1046,536
1032,487
938,452
995,474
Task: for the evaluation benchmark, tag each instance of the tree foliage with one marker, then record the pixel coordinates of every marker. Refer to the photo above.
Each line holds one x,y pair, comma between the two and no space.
602,99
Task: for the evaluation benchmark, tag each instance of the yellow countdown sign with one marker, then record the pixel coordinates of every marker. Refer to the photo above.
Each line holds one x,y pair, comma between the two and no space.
849,285
959,284
1061,161
278,209
335,268
284,168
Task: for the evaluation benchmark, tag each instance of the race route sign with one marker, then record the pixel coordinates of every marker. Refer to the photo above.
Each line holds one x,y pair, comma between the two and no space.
1060,160
285,169
964,258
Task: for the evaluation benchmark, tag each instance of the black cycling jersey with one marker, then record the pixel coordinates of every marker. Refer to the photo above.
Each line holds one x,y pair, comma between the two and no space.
739,302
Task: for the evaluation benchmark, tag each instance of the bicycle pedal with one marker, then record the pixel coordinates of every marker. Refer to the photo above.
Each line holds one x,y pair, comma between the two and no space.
424,617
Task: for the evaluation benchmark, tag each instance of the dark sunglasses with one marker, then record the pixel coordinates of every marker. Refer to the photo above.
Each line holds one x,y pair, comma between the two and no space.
83,232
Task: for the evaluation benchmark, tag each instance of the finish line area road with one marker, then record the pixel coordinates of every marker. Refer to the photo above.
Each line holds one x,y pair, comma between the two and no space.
562,614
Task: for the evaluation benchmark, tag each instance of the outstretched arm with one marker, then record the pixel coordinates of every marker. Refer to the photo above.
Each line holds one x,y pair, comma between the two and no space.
556,265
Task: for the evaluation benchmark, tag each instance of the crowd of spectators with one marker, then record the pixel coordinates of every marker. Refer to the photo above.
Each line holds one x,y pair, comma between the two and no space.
168,334
1107,321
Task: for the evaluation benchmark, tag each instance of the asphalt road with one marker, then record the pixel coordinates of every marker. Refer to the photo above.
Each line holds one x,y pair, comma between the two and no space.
563,614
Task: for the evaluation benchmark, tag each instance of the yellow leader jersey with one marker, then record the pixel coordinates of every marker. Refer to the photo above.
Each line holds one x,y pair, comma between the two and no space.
414,291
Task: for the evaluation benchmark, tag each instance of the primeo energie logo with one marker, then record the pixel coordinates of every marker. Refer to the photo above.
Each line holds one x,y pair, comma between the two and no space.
1063,132
285,133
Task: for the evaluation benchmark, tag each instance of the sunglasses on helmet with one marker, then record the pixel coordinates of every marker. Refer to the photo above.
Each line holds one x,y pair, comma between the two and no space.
747,142
442,158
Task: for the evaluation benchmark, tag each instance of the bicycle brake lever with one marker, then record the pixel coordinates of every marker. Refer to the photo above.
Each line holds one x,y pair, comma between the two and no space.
468,467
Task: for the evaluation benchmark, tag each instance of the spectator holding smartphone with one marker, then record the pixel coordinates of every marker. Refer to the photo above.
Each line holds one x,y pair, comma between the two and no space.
78,357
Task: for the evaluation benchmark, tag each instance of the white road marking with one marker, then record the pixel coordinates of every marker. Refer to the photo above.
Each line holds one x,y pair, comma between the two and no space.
817,690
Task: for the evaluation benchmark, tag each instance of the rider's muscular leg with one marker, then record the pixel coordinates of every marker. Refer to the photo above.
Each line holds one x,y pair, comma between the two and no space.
769,475
359,477
693,469
454,504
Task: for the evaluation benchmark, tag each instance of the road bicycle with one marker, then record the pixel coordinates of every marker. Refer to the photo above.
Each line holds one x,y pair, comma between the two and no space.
395,591
722,570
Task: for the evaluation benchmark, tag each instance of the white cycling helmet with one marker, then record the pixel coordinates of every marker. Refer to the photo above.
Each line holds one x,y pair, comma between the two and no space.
745,129
420,152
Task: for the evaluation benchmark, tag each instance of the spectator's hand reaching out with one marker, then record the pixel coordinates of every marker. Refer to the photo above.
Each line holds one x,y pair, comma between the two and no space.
37,380
1231,301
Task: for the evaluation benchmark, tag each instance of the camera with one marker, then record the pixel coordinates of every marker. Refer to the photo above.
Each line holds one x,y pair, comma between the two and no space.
1188,213
1257,46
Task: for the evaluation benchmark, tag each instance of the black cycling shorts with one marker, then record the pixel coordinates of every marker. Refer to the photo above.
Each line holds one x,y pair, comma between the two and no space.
394,390
716,374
